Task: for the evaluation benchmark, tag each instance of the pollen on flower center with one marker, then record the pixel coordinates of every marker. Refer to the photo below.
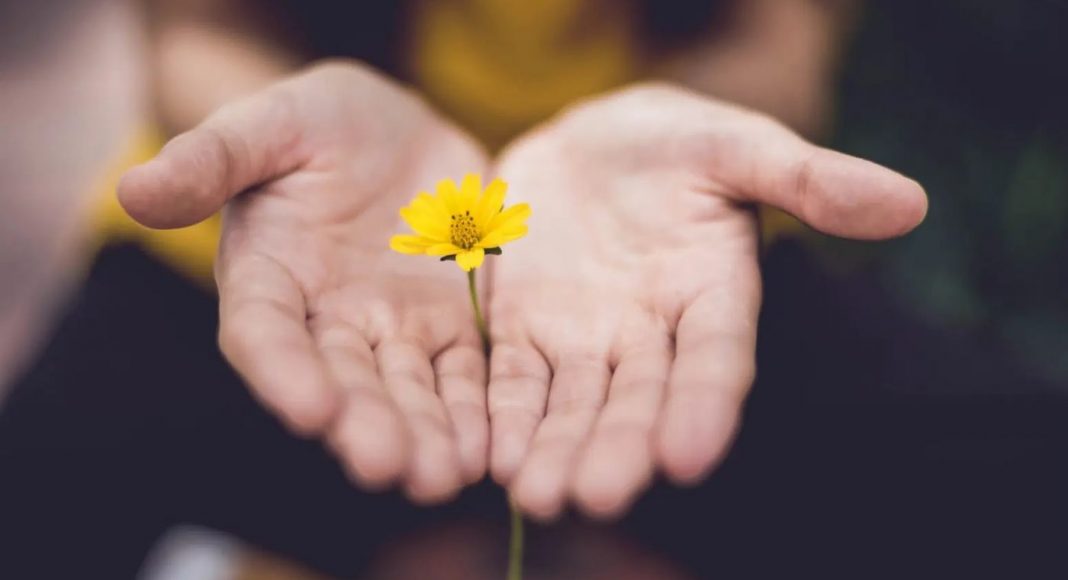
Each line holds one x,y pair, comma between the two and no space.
463,231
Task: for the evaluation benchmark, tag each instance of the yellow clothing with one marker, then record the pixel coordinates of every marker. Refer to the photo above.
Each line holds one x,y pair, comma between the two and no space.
498,67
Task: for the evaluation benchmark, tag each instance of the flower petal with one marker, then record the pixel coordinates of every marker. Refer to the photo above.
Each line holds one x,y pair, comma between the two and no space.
513,216
443,250
449,196
425,224
501,236
489,205
491,240
409,244
470,189
430,205
470,259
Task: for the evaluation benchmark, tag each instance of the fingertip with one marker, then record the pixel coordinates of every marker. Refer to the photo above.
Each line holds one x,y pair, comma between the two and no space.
600,498
371,443
502,470
294,387
507,449
693,440
470,429
855,198
433,478
137,191
606,483
434,473
895,204
681,467
511,431
183,185
309,413
461,380
367,480
473,442
474,474
516,399
914,206
603,508
537,494
428,495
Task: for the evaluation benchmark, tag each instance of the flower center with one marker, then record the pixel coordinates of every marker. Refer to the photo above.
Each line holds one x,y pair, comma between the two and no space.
463,231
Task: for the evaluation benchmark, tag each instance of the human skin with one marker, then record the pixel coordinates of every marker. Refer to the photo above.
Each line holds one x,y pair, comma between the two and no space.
640,269
777,55
373,351
624,326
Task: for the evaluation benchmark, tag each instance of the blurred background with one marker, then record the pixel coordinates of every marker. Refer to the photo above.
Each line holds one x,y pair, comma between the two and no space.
911,410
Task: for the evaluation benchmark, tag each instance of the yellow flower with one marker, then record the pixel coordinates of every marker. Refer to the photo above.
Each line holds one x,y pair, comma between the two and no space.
462,223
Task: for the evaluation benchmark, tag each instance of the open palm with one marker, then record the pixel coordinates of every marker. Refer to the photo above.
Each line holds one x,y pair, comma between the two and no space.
340,336
624,327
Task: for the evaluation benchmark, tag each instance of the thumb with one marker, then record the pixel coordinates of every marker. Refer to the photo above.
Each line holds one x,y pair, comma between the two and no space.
835,193
239,146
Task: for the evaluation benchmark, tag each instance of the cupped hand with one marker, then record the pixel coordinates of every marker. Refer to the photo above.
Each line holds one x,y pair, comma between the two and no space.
624,326
342,338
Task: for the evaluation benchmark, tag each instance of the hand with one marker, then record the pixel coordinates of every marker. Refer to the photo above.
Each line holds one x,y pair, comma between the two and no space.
624,326
337,334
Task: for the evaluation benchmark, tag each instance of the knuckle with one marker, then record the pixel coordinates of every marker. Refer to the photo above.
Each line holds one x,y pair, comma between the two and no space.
577,406
222,154
583,359
509,413
466,378
341,336
803,187
506,364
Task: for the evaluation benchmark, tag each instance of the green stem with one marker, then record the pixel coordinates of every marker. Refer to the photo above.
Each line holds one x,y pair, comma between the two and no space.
483,331
515,545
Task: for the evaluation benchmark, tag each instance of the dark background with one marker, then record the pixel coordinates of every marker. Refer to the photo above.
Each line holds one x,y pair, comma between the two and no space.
910,416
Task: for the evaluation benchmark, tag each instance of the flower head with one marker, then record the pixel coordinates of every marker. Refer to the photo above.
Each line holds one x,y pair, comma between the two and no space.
464,223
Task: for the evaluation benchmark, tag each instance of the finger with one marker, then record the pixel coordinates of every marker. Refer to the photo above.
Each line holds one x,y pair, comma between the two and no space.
461,377
518,389
262,332
370,436
576,395
434,468
833,192
713,369
242,144
618,463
